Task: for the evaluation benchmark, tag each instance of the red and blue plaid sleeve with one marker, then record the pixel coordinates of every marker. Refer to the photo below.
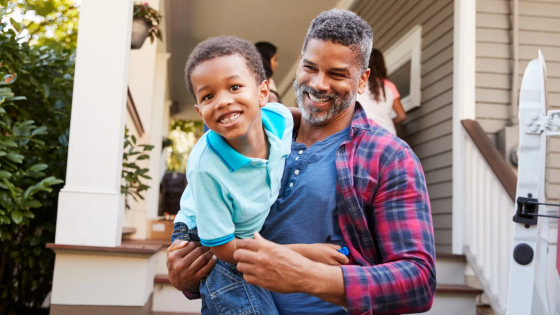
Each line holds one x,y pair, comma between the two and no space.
405,281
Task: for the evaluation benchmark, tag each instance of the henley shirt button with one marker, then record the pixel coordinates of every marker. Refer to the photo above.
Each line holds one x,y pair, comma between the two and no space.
300,152
296,172
291,185
297,158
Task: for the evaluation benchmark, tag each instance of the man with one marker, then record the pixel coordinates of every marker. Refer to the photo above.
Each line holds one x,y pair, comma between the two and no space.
347,181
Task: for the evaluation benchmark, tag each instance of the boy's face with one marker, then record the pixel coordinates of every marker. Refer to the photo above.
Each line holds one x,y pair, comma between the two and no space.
227,95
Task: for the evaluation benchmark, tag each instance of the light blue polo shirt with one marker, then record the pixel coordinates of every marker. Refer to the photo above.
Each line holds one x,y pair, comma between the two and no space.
228,194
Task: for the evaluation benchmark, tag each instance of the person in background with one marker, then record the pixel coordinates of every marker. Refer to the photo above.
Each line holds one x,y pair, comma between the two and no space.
269,54
381,95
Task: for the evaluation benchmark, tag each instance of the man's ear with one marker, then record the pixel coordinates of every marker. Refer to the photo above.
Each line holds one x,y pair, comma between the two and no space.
264,92
362,83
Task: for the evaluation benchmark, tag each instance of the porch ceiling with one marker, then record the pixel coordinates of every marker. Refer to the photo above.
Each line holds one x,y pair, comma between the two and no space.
283,23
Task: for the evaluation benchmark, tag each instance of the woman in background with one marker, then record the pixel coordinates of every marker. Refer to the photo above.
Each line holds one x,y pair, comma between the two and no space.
381,95
269,54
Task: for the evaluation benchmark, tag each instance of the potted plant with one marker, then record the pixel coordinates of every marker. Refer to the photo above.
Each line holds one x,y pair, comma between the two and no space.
145,24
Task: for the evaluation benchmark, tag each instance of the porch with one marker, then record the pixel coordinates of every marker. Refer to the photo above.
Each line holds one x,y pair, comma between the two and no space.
451,80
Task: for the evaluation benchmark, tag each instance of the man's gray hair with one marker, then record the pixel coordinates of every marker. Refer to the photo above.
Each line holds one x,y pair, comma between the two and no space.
345,28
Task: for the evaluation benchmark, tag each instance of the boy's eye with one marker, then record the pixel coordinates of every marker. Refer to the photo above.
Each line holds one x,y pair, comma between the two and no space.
234,88
207,97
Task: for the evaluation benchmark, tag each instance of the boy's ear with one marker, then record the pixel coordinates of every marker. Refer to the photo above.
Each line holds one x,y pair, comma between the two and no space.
363,81
198,111
264,92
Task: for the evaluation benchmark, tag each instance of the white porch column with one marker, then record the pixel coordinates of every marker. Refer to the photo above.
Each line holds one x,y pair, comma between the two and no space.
157,132
90,208
464,61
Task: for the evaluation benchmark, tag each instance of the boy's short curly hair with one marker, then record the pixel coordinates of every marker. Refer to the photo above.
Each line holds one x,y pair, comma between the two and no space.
345,28
221,46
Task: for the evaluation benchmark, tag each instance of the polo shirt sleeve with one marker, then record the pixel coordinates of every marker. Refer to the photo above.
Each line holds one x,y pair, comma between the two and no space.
213,209
289,124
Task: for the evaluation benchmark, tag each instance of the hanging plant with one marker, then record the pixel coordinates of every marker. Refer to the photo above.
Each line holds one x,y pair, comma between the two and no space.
145,24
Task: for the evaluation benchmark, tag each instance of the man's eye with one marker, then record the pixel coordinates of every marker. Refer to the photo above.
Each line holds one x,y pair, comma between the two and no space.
207,97
309,68
234,87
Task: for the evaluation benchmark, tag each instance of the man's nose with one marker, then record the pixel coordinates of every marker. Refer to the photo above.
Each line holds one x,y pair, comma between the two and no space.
320,82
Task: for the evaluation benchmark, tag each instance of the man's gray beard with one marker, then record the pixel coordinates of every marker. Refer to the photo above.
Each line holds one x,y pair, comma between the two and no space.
316,115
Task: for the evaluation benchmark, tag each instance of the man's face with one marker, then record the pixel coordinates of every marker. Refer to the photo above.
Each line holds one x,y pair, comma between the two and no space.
327,81
227,95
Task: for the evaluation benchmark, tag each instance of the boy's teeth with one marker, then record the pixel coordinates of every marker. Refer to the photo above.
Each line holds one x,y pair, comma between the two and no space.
229,118
318,100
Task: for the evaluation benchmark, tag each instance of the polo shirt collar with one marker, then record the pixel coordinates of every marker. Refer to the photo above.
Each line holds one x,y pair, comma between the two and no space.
272,122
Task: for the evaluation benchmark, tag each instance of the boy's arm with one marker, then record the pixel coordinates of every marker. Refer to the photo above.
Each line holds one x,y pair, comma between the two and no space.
296,113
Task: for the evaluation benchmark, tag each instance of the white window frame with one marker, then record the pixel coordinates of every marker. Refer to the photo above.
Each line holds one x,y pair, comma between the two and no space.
408,48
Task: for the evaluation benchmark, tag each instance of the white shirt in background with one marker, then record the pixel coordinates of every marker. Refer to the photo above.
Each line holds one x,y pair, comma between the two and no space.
380,112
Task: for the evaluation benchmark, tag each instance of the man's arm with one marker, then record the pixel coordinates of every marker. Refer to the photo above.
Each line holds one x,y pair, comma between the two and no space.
404,283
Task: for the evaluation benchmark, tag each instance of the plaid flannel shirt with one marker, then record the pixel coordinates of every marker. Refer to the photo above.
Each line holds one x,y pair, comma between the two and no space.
384,215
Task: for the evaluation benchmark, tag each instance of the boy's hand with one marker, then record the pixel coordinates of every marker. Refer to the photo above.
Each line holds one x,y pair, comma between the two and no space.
322,253
188,263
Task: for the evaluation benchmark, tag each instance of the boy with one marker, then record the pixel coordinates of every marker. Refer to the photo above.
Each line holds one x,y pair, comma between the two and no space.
235,169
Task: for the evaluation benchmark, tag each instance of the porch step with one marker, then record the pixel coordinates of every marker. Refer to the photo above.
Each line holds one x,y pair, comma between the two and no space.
169,301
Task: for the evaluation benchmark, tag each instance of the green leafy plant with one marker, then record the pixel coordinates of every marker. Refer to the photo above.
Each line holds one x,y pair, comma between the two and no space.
151,16
44,75
21,183
132,173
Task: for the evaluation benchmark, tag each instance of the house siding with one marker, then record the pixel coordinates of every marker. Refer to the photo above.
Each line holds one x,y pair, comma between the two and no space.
428,128
539,28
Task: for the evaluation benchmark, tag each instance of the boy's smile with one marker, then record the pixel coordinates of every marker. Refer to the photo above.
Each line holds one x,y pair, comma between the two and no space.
229,98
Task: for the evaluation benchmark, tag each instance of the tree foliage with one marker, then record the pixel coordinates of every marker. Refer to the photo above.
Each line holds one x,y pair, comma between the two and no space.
34,131
52,23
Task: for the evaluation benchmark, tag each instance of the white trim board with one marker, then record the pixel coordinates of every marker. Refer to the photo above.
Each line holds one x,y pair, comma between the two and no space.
408,48
464,60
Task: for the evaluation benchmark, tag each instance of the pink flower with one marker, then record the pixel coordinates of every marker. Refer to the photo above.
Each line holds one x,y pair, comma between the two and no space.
146,3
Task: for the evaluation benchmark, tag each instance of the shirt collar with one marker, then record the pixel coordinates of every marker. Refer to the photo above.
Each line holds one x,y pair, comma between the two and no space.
231,158
272,122
360,120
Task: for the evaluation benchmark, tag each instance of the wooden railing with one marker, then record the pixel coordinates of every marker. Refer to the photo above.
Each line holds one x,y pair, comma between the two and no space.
490,194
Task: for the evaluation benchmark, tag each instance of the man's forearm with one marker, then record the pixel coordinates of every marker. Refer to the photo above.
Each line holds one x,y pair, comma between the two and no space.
327,283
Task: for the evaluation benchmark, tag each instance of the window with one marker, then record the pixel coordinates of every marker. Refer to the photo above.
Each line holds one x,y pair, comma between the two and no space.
403,67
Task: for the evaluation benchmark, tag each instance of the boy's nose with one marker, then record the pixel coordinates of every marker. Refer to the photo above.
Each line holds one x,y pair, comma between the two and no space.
224,99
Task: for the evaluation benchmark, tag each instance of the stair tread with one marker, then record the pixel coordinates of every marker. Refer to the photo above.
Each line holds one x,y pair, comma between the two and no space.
457,288
450,256
162,279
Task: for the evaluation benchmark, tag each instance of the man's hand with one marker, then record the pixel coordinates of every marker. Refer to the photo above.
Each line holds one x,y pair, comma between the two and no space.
323,253
278,268
188,263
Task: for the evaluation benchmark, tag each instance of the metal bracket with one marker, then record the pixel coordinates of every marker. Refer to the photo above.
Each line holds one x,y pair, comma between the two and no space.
536,124
527,208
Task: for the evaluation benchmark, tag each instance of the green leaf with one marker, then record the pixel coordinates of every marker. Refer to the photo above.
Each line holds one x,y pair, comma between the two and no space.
63,140
17,216
35,241
46,90
29,214
38,167
133,139
5,174
16,158
143,157
39,131
9,143
33,204
16,98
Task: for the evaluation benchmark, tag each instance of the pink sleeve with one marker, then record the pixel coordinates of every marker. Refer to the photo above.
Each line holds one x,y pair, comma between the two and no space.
391,86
